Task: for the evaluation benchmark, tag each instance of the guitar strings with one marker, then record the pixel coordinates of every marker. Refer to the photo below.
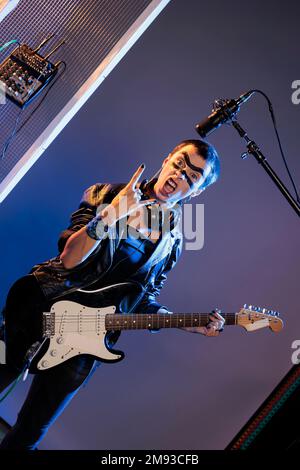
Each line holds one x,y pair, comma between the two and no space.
141,315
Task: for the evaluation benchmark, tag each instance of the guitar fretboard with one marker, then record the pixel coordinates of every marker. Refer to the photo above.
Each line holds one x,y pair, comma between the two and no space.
161,320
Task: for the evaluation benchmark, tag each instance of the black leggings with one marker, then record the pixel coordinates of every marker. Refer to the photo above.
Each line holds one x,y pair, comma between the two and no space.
49,394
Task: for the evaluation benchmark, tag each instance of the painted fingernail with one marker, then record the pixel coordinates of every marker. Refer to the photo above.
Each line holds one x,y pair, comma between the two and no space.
143,165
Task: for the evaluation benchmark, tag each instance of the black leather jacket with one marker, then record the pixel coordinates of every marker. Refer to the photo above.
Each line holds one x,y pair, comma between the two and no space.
55,280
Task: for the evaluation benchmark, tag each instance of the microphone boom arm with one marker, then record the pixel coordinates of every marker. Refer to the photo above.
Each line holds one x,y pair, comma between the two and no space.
253,149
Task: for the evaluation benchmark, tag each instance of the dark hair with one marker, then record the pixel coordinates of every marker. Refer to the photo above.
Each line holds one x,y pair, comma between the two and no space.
209,153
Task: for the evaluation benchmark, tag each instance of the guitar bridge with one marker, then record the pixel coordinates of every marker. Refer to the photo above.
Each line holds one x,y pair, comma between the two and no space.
48,324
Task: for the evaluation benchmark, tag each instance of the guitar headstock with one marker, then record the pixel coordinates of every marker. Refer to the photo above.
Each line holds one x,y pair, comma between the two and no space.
254,318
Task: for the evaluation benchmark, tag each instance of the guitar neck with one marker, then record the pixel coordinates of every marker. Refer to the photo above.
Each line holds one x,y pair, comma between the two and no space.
143,321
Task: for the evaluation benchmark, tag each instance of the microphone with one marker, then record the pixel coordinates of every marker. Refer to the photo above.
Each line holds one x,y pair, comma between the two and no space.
223,111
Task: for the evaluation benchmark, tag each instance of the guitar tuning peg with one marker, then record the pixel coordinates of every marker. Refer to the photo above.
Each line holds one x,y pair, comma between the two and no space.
250,307
259,309
264,310
245,306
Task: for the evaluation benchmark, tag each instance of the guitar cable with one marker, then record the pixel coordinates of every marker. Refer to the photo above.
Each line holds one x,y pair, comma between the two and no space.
32,351
7,44
14,384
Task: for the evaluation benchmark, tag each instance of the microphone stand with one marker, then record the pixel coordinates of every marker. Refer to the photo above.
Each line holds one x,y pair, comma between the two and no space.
253,149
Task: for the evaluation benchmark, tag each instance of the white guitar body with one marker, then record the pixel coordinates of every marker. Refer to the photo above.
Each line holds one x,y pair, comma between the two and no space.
71,336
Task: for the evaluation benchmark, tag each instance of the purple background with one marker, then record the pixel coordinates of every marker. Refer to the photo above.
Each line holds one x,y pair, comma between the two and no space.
175,389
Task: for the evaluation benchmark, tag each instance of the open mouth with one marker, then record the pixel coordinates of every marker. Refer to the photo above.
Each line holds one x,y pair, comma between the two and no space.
170,186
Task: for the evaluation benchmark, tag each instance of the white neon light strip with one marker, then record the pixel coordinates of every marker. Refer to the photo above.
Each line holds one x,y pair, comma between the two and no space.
6,7
78,100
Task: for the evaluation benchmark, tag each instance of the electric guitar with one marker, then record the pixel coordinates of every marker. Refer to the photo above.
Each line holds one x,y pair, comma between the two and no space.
81,323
